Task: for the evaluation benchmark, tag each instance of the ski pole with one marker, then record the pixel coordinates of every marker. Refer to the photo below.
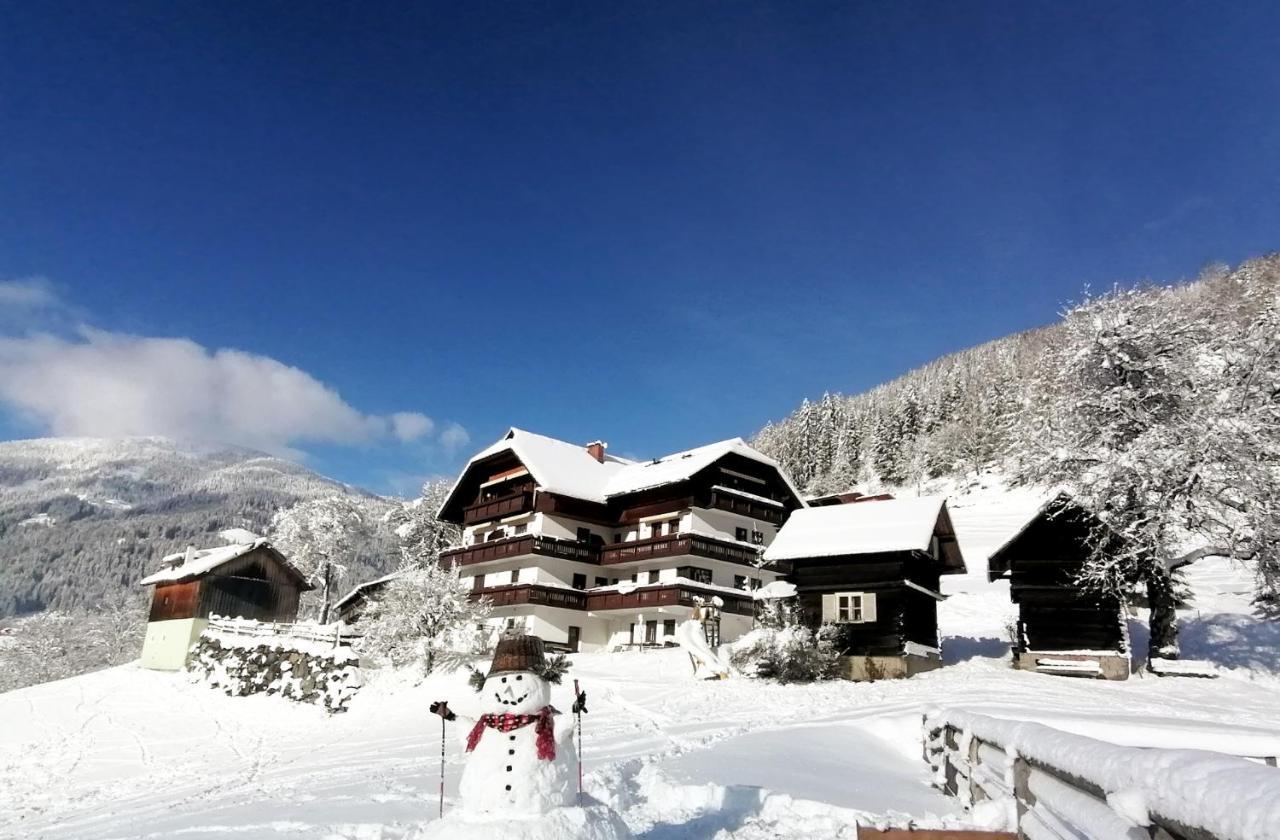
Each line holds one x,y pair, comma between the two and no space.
577,702
442,765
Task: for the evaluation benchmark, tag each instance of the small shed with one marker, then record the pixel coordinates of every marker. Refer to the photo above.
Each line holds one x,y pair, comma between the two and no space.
242,580
351,607
872,571
1063,628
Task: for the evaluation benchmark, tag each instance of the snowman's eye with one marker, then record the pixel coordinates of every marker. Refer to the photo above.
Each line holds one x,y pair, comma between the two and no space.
504,679
520,677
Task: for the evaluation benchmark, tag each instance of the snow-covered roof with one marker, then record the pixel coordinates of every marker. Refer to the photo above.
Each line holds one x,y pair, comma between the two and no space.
366,585
858,528
184,565
643,475
557,466
567,469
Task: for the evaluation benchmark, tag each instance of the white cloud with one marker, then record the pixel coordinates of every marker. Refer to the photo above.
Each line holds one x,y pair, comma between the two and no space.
89,382
28,294
409,426
453,437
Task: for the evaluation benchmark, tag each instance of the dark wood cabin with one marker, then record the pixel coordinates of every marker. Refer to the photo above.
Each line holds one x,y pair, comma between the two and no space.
354,604
870,573
244,581
1060,621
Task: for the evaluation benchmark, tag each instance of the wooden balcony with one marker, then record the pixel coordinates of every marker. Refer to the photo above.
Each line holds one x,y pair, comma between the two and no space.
678,545
532,593
520,546
666,596
521,502
747,507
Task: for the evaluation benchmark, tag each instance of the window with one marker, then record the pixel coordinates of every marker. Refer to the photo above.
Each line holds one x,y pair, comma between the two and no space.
653,576
584,535
617,538
633,577
655,529
515,576
522,528
755,583
694,573
757,537
602,581
849,607
579,581
740,534
673,527
669,628
651,632
739,581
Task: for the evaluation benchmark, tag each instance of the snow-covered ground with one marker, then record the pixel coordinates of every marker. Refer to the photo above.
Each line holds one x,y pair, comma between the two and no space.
128,753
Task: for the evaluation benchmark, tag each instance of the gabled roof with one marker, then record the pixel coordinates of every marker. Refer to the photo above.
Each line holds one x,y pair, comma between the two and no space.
567,469
643,475
366,586
878,527
178,566
1056,503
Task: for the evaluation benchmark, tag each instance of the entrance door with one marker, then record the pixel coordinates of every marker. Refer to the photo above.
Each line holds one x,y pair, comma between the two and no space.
575,633
651,632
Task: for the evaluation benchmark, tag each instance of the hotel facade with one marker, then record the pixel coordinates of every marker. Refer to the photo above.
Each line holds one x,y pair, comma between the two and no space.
591,551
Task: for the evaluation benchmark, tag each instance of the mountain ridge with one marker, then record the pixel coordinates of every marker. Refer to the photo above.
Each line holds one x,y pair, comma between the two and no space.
82,519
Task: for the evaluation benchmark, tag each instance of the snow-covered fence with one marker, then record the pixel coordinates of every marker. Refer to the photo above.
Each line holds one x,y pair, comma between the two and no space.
304,662
333,634
1054,785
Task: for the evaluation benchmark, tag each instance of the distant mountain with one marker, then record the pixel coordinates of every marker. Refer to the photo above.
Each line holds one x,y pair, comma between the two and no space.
83,518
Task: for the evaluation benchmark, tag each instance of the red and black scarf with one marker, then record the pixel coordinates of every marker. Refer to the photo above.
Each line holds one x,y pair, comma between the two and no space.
543,726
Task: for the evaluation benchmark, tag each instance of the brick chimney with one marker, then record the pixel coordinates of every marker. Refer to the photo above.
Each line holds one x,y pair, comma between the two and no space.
596,450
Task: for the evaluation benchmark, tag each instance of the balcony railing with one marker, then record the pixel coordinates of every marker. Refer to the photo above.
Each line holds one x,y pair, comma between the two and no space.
520,594
521,502
747,507
518,547
532,593
678,545
665,596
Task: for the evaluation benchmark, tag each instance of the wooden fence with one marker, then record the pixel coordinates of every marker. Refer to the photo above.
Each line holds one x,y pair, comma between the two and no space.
1060,786
334,634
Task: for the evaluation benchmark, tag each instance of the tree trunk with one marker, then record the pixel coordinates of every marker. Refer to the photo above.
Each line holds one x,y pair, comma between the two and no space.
324,597
1164,617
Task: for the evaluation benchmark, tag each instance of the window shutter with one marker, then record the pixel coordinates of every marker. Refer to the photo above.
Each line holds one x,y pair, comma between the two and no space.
869,606
829,607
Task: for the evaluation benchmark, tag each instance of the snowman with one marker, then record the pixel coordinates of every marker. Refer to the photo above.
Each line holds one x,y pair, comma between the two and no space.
520,776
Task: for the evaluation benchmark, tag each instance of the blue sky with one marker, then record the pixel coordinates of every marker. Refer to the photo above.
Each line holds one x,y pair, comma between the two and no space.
658,224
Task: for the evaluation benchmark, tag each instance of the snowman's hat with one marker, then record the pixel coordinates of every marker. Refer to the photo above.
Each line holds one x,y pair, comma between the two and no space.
519,653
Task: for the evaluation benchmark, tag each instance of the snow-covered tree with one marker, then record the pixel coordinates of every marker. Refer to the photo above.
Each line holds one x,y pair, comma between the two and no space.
321,537
421,535
425,616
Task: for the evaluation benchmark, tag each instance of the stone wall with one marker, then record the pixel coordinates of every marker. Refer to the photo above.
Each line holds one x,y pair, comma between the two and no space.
301,670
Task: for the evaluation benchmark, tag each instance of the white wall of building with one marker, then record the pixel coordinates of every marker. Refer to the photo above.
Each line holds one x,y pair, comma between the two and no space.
166,644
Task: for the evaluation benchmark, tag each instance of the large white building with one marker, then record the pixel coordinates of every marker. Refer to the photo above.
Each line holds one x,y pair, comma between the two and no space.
593,551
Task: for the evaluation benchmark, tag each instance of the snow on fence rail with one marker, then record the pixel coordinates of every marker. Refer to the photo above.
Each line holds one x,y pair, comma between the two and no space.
333,634
1055,785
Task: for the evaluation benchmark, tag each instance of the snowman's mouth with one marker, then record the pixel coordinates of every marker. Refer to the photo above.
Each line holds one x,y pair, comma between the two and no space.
515,702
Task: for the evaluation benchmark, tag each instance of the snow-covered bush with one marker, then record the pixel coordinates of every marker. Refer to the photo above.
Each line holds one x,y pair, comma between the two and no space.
789,655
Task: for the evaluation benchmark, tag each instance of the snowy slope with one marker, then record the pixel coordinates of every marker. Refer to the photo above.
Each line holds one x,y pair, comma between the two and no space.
127,753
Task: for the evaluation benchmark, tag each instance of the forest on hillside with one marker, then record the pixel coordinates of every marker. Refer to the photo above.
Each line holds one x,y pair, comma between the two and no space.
1156,406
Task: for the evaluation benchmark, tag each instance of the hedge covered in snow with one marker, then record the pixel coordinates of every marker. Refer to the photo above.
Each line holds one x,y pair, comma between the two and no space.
304,670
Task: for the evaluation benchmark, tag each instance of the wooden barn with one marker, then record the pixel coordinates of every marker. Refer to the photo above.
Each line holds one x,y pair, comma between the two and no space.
1062,628
245,580
873,571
